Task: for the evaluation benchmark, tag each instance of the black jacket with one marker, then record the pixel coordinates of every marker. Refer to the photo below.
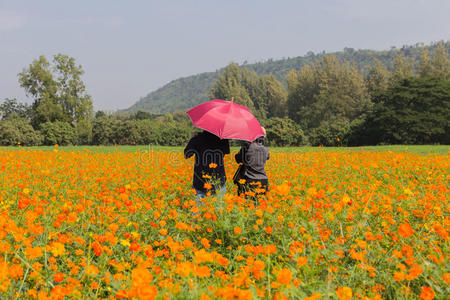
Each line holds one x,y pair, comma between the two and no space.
207,149
254,156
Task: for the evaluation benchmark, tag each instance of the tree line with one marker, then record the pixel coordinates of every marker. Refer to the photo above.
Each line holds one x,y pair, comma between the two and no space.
186,92
332,103
328,102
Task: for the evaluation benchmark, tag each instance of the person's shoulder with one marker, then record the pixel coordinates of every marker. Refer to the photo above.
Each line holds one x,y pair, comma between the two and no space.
195,141
198,137
257,144
224,144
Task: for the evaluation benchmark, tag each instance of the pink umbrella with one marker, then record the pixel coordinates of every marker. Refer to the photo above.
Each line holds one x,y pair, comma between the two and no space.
226,119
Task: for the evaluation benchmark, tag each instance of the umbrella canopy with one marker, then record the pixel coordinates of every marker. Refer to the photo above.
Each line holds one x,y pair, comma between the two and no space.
226,119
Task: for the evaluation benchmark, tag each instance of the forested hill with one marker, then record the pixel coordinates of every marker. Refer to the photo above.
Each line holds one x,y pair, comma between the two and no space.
186,92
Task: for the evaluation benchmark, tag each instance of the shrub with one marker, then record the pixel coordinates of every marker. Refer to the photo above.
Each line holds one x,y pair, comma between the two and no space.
175,133
83,131
284,132
330,133
61,133
18,130
103,130
149,132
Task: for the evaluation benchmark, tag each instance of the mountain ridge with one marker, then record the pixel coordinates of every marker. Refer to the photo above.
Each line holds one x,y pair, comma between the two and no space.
186,92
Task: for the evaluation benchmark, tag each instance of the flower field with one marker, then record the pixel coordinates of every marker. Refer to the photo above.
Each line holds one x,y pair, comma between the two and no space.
335,224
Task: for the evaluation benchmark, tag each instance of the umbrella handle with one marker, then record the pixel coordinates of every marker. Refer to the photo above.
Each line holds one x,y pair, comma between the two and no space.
232,99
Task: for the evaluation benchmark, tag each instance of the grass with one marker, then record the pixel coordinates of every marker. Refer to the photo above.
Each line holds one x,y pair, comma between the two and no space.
418,149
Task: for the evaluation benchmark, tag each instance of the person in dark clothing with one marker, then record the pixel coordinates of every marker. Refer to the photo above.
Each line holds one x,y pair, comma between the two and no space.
253,181
209,169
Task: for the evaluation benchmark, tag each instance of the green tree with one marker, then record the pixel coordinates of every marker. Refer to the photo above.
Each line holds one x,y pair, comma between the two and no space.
142,115
103,130
127,133
425,67
72,95
229,86
284,132
414,111
378,77
326,91
172,134
59,93
330,133
61,133
303,87
100,114
273,96
403,68
187,92
149,132
440,62
291,80
18,130
181,116
10,108
83,130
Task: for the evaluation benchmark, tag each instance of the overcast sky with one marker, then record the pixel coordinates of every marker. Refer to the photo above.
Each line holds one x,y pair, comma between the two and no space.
130,48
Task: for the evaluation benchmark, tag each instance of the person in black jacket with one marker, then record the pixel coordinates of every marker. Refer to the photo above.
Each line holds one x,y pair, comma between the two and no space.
253,181
209,169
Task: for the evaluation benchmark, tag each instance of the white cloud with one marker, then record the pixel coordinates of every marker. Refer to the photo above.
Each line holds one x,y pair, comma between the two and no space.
10,20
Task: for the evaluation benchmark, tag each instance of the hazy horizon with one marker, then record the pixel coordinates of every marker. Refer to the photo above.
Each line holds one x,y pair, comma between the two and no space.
128,50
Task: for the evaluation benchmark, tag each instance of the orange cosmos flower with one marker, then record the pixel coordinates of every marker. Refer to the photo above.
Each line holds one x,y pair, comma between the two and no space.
184,268
58,277
57,249
202,256
270,249
141,276
414,272
301,261
284,276
223,261
121,294
52,260
239,258
205,243
399,276
33,253
187,243
314,296
91,270
344,293
134,247
204,297
426,293
282,189
405,230
202,271
280,296
237,230
441,231
113,227
94,285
